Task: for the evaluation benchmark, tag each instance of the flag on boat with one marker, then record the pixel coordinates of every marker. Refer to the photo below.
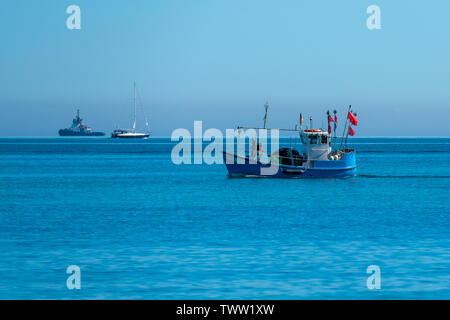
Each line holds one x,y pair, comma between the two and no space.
330,118
352,118
335,121
301,120
351,131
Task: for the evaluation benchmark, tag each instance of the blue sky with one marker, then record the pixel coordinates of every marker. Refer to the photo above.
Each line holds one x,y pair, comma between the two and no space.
219,61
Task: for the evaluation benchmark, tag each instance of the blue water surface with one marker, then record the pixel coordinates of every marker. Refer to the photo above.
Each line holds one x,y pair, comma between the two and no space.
141,227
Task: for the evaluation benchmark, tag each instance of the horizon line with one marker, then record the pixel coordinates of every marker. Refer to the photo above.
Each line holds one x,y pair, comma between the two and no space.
169,137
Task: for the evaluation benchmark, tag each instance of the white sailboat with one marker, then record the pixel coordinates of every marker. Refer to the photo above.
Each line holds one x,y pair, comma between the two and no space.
131,133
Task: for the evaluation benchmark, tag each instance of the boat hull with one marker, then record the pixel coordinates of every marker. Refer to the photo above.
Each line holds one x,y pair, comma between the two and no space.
130,136
242,166
71,133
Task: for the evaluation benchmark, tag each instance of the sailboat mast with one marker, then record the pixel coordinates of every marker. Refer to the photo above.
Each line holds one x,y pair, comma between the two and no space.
134,123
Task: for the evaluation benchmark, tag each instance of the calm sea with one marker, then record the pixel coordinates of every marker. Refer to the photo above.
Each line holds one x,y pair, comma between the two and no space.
141,227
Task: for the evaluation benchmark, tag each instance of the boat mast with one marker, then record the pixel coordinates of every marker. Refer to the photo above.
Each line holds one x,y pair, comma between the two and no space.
345,127
335,126
134,123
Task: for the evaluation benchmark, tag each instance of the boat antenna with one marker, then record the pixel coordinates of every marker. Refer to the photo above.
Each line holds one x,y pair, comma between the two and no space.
134,123
266,107
311,122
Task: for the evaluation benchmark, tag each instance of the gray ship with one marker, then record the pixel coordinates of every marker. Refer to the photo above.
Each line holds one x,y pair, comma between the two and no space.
79,129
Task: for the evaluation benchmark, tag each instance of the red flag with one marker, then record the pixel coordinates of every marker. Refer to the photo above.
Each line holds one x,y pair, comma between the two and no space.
335,119
301,119
352,119
351,131
330,119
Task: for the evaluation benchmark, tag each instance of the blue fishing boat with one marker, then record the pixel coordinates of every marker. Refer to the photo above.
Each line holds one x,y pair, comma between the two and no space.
315,159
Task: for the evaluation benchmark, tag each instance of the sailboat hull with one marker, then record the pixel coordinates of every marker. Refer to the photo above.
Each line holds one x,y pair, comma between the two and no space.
130,135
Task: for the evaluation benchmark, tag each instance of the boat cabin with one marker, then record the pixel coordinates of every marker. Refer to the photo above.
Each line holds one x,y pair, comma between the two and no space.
316,144
119,131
